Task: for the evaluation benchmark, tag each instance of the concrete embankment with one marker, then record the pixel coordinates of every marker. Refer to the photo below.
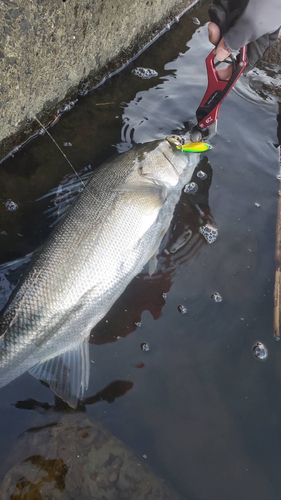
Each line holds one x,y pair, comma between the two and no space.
48,49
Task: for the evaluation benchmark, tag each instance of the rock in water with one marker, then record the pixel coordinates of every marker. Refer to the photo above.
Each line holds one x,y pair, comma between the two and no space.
79,460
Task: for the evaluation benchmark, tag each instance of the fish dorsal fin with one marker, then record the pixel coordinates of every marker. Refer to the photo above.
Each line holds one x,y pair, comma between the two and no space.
67,374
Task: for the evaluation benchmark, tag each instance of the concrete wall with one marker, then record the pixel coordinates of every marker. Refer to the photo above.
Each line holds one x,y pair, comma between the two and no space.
47,47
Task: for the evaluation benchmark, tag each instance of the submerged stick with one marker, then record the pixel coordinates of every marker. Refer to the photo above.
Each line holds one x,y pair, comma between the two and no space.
277,284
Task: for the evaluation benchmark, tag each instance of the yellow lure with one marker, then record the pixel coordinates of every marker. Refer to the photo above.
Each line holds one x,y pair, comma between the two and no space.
194,147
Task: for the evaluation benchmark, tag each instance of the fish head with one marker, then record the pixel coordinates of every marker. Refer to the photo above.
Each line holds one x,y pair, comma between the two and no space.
166,164
182,162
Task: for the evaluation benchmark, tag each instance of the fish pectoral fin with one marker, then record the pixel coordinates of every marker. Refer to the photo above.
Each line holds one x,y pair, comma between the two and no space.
152,263
67,374
154,195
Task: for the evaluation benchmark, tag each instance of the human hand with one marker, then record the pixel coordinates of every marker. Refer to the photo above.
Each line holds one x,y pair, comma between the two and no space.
214,36
221,50
254,23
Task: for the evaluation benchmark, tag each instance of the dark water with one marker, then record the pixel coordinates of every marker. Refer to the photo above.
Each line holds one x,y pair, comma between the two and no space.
199,405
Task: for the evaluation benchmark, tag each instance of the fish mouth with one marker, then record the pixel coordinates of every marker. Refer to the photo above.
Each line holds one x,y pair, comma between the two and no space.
177,140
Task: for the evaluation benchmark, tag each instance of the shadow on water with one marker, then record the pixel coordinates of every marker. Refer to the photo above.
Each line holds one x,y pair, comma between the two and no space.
203,411
114,390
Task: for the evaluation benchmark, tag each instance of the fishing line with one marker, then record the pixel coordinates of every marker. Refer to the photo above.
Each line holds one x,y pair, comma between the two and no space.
68,161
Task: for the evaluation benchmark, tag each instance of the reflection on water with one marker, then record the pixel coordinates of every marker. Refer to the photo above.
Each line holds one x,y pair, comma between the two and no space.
194,403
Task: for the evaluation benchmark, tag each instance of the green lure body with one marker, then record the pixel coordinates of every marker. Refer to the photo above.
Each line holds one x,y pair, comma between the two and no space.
194,147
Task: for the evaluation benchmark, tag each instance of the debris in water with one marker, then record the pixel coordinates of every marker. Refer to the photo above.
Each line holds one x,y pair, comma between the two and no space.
104,103
201,213
144,347
164,295
67,144
260,351
138,324
191,188
209,232
195,20
279,177
144,73
216,297
11,206
201,174
257,205
182,309
144,456
4,233
140,365
41,131
55,120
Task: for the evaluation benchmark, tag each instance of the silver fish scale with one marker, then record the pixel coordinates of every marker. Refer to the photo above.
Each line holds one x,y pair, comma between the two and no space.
104,240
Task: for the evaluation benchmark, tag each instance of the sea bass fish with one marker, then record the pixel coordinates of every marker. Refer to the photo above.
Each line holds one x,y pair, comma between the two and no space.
111,231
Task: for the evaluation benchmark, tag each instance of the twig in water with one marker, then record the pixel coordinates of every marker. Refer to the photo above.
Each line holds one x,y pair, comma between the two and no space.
277,284
103,103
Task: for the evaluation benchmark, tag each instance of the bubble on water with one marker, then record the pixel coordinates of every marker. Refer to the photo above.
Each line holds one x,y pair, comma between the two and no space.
201,174
144,456
260,351
67,144
144,347
67,107
11,206
257,205
182,309
209,232
216,297
191,188
138,324
195,20
144,73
